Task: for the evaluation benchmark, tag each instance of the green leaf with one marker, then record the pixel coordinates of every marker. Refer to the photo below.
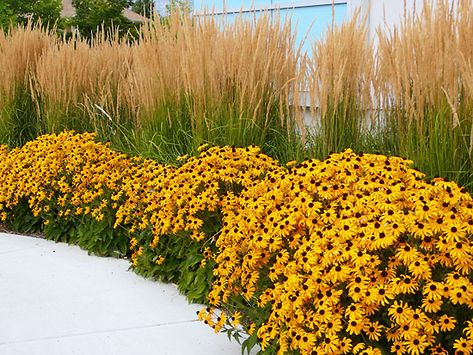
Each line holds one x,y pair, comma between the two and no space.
249,343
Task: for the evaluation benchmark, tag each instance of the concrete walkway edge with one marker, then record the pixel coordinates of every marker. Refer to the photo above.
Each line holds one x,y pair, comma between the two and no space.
55,299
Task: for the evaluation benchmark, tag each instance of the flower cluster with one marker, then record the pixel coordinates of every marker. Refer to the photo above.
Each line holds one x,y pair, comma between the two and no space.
185,200
63,175
356,252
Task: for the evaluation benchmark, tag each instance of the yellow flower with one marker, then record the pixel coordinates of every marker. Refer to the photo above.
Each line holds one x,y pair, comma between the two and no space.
202,147
463,345
235,319
373,330
447,323
159,260
416,345
400,312
133,243
291,163
182,157
398,348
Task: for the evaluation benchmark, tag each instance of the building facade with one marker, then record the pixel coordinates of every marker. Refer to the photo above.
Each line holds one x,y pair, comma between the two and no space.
312,17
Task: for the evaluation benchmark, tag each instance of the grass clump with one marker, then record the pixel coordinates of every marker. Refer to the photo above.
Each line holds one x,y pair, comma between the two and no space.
20,49
341,74
424,89
185,81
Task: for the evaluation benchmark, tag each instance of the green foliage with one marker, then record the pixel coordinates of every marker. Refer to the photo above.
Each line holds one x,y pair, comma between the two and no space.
183,6
144,7
58,230
98,238
16,11
7,16
23,220
47,10
181,265
101,15
249,344
18,118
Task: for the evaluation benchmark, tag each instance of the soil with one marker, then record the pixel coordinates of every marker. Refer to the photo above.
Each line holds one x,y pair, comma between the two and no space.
4,229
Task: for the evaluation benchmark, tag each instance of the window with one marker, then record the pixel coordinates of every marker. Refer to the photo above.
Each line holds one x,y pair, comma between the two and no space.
309,17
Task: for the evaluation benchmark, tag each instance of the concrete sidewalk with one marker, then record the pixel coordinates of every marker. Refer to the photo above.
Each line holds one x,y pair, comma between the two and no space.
57,299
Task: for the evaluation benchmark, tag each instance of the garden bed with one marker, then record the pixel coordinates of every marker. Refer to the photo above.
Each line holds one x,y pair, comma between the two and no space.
358,253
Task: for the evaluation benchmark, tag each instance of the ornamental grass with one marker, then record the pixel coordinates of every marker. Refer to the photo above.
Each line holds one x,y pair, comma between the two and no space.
355,254
20,50
184,81
340,81
424,88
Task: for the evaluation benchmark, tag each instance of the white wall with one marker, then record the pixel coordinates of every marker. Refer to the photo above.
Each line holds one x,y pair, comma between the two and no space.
388,13
385,13
391,12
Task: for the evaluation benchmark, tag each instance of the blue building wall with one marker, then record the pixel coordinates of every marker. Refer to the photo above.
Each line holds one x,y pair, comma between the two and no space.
309,18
